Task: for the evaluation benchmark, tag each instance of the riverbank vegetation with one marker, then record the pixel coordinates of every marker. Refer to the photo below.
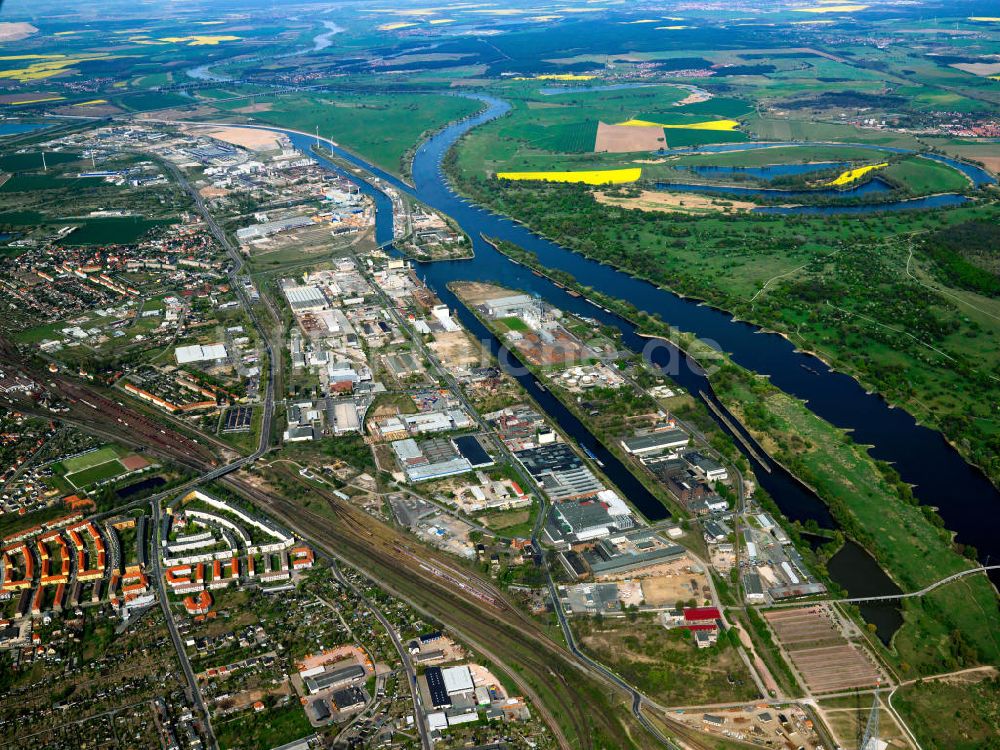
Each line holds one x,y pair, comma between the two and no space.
844,287
952,627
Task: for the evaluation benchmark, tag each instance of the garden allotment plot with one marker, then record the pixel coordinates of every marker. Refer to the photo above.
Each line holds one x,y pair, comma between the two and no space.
825,659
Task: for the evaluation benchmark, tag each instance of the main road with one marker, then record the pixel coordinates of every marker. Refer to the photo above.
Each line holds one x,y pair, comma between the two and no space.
194,692
234,272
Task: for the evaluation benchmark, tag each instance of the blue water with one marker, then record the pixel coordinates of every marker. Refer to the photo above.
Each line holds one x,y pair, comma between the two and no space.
978,175
968,502
324,40
770,171
942,200
872,187
556,90
204,73
16,128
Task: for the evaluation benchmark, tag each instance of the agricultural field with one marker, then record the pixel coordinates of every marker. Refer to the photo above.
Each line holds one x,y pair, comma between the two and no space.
564,129
586,177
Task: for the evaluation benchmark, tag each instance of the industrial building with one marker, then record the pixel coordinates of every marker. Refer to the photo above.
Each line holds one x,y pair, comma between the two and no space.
629,552
559,471
305,298
436,687
336,678
433,459
267,228
583,520
656,442
512,306
186,355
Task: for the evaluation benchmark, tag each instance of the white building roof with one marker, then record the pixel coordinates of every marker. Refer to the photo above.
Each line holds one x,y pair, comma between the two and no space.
198,353
457,679
429,422
300,297
406,449
437,721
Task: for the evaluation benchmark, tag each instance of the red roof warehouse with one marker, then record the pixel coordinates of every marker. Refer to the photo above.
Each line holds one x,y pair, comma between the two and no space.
694,616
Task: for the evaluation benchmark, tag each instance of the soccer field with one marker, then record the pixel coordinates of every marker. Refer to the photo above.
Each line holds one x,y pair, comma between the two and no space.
94,458
98,473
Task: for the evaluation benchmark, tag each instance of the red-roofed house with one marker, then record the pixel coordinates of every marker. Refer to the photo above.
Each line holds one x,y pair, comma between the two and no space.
198,605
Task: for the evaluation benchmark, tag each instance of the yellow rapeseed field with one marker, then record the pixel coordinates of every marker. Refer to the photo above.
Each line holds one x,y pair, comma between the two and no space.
31,57
199,40
39,70
589,177
557,77
395,25
846,178
707,125
36,101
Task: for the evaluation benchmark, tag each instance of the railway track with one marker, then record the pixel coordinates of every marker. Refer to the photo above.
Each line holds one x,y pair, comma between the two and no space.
501,633
575,702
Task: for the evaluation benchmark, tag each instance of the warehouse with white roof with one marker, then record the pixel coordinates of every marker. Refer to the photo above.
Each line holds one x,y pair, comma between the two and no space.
198,353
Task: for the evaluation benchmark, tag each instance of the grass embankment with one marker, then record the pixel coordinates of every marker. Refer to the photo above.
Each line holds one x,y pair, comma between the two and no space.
921,176
955,626
952,715
381,128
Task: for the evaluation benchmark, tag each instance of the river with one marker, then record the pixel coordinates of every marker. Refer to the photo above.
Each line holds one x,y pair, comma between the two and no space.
324,40
17,128
871,187
768,171
966,499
